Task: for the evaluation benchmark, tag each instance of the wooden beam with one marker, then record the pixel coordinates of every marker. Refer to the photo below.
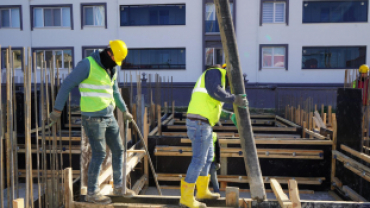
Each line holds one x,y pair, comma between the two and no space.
337,182
280,195
353,194
18,203
68,188
246,190
314,134
138,186
232,197
356,167
360,155
159,120
334,147
294,193
245,179
286,121
233,128
274,141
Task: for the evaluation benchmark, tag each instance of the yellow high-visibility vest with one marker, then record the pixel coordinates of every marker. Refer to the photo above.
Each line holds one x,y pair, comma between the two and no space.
202,103
97,90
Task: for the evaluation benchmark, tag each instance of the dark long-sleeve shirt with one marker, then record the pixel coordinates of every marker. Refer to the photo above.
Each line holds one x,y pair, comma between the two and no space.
214,89
80,73
217,151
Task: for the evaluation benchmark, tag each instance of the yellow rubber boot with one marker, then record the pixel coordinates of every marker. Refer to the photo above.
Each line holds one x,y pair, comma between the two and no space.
187,196
202,189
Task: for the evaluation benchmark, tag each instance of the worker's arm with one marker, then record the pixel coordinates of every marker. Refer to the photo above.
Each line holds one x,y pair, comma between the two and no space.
217,151
118,98
78,74
214,89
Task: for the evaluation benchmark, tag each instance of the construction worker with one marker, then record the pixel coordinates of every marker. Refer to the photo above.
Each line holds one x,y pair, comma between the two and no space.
215,166
363,82
204,111
96,76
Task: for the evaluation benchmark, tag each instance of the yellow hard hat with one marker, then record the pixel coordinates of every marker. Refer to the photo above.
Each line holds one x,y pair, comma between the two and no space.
119,50
364,69
224,66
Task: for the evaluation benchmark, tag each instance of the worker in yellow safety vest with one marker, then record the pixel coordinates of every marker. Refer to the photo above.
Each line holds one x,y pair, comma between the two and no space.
204,111
363,82
96,77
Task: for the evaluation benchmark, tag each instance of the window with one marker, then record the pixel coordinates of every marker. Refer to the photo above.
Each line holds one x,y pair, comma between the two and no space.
17,58
214,56
51,16
335,11
94,14
333,57
273,12
88,50
10,17
152,15
164,58
61,58
273,57
211,18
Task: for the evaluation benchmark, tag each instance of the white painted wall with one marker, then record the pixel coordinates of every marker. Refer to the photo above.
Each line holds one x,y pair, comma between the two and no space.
249,36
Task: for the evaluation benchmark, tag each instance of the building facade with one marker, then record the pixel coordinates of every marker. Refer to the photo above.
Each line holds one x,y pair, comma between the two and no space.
302,42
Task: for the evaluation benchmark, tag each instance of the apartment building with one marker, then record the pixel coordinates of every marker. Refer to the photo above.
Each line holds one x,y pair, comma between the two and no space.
301,42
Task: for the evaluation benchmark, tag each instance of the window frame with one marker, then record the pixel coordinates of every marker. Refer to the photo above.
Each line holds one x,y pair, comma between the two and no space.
3,7
174,4
13,49
367,12
286,46
43,6
56,49
92,5
275,1
205,2
84,48
351,46
130,49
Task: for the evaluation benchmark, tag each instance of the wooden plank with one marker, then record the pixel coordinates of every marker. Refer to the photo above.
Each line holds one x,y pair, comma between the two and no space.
304,127
159,120
245,179
356,167
334,147
273,141
280,195
337,182
246,190
287,121
353,194
19,203
146,134
138,186
360,155
68,188
233,128
314,134
232,197
294,193
168,119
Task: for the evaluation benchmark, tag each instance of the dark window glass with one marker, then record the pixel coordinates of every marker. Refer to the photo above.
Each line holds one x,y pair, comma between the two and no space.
333,57
17,56
164,58
152,15
335,11
211,18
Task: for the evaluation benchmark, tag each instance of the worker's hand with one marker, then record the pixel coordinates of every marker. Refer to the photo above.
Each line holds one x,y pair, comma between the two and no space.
218,166
233,119
54,117
127,116
241,100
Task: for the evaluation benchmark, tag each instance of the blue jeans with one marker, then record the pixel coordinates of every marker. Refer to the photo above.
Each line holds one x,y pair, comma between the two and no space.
102,131
213,172
200,134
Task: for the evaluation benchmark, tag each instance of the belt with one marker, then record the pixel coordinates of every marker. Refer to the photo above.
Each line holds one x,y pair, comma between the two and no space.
198,119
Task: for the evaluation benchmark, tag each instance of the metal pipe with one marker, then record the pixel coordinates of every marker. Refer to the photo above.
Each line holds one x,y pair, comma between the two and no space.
1,145
15,138
69,122
50,189
42,77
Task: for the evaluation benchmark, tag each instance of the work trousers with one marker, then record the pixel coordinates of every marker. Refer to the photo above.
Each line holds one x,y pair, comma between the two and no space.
102,132
200,134
213,173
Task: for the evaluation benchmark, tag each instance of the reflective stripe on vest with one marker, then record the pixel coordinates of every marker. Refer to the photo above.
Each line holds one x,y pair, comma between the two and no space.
97,90
202,103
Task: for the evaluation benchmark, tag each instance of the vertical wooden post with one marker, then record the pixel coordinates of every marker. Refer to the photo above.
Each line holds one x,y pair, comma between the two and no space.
159,117
232,197
173,108
304,128
286,112
292,114
235,77
281,197
68,188
1,143
334,147
18,203
322,111
146,134
324,119
298,115
330,120
165,108
294,193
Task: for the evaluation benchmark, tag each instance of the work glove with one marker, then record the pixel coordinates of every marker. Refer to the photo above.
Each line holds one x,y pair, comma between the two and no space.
127,116
54,117
218,166
241,100
233,119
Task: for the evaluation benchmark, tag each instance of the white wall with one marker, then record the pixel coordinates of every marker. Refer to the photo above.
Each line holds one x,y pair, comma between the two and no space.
249,36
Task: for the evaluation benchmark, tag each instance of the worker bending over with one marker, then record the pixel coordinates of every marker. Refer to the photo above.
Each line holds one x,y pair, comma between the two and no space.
97,79
204,111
